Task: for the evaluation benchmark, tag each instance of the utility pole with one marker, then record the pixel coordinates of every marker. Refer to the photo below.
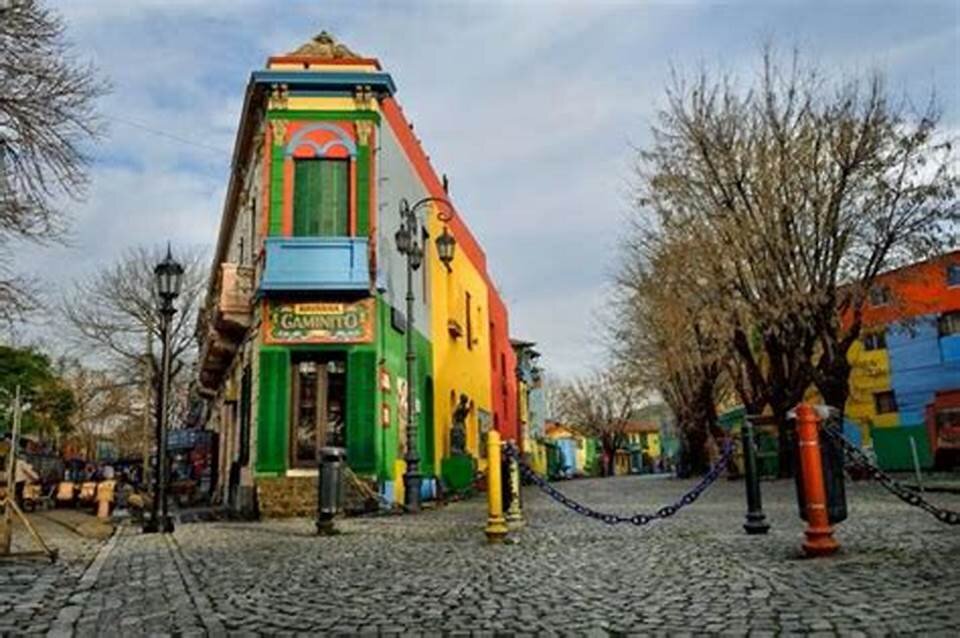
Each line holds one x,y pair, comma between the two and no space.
6,531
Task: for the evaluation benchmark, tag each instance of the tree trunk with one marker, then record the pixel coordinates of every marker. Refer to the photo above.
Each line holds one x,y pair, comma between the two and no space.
694,449
610,460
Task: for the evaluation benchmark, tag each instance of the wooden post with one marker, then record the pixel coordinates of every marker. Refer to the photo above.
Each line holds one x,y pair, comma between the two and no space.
819,532
496,529
6,529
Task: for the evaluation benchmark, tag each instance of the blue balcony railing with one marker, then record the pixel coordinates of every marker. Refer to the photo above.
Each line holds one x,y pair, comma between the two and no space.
316,263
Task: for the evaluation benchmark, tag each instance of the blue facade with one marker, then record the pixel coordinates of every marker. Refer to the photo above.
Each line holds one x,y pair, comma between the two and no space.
921,363
568,456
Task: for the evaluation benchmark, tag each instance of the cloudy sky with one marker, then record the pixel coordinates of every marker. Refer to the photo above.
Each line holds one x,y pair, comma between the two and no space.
532,108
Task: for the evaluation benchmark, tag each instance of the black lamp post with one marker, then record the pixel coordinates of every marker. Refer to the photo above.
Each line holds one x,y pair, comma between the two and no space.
408,243
169,278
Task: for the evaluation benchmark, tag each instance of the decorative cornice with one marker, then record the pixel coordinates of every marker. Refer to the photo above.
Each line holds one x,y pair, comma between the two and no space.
278,97
364,131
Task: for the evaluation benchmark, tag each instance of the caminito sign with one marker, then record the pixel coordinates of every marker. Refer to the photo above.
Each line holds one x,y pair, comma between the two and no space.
336,322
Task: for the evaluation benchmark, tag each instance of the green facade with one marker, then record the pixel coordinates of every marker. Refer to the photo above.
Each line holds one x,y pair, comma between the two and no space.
372,448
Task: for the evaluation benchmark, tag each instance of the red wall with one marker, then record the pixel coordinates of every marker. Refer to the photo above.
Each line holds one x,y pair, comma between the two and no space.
918,289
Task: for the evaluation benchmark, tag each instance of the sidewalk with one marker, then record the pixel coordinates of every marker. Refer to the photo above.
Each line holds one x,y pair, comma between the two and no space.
77,521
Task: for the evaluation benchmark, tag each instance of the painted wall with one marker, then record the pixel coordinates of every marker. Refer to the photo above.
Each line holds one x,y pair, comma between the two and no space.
916,362
396,180
458,368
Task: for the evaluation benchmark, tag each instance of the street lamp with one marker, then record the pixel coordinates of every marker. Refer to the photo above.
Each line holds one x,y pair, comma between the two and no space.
169,279
408,243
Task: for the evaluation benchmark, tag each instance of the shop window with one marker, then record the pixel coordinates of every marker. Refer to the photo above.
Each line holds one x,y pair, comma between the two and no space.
885,402
321,198
880,295
875,341
953,275
949,324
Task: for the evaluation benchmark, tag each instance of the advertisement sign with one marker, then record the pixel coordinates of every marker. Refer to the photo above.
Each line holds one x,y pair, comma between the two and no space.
320,322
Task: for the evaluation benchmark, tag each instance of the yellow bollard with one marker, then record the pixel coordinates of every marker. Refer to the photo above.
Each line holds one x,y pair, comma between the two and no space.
496,525
514,513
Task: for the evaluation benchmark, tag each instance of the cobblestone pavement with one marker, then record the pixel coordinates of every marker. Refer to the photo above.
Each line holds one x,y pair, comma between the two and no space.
899,572
698,573
32,591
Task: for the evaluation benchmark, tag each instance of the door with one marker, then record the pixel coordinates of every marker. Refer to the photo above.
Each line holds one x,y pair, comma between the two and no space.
319,398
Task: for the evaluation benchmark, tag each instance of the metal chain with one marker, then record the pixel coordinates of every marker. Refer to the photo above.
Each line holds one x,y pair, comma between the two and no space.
905,494
511,451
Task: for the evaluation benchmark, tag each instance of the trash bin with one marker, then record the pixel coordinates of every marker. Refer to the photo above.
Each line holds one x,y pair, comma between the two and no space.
329,487
832,459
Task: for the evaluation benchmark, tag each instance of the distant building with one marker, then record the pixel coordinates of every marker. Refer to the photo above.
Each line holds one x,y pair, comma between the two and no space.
909,352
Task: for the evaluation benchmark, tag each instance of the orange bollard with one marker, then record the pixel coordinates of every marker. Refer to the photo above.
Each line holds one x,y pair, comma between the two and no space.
819,532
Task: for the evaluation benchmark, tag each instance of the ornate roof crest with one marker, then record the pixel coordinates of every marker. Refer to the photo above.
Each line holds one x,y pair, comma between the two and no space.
324,45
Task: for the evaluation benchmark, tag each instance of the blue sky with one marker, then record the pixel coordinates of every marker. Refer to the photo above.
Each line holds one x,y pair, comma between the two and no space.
532,109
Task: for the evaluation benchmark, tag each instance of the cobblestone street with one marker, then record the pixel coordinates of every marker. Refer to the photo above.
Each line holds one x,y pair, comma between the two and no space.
898,573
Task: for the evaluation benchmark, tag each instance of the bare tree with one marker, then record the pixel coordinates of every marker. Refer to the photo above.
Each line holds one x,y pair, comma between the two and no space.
599,406
669,338
806,190
114,312
46,118
103,404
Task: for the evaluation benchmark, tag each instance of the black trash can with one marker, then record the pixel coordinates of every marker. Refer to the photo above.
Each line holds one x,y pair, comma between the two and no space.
329,487
831,459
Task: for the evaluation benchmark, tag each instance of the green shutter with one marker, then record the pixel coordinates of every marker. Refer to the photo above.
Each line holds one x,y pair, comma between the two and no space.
272,422
361,410
321,198
363,191
275,214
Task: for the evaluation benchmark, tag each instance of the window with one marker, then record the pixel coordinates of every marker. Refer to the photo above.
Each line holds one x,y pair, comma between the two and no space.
949,324
469,307
885,402
879,295
321,198
953,275
875,341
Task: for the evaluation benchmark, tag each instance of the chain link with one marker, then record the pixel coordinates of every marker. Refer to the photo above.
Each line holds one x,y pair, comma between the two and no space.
856,456
511,451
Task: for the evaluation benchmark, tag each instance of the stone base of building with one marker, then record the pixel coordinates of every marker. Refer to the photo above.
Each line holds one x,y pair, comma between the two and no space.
296,496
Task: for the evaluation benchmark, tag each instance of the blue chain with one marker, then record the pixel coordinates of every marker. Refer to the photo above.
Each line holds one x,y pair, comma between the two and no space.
905,494
666,511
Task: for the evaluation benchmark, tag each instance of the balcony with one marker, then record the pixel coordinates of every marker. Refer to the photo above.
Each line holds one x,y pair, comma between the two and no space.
316,263
234,303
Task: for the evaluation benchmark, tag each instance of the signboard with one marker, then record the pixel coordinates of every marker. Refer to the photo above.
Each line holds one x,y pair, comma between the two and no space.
321,322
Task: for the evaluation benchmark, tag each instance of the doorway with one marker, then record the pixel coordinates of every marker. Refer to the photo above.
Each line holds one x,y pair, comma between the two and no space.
319,386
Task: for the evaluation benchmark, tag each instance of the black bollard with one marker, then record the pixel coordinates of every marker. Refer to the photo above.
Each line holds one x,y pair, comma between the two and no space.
756,520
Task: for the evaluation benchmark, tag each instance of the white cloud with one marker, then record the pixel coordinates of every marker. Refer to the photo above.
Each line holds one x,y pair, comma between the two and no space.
528,107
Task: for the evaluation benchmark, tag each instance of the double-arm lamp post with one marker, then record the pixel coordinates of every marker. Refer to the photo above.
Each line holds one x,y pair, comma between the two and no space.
169,278
408,238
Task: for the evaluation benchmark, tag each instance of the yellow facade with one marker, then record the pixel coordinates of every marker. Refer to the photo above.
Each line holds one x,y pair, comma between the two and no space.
458,367
870,373
537,456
